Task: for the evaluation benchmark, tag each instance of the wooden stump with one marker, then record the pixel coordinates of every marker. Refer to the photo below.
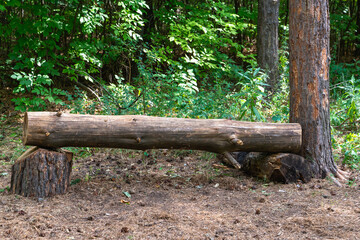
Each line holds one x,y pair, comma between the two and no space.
41,173
280,167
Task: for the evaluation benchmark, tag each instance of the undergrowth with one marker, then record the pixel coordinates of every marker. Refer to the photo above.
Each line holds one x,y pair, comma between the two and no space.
242,100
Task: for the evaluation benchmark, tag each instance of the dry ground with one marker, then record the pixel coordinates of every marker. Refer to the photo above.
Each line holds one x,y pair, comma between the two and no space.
178,195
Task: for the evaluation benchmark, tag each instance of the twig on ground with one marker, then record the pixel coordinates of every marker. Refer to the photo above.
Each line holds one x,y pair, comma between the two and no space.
232,160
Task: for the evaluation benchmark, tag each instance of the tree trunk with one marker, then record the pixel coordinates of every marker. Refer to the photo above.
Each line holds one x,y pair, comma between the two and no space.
267,41
309,81
41,173
54,130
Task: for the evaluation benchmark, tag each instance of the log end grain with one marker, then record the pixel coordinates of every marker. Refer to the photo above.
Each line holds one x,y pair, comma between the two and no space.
25,129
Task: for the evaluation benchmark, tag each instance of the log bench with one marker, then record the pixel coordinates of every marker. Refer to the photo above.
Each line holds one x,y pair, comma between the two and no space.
45,170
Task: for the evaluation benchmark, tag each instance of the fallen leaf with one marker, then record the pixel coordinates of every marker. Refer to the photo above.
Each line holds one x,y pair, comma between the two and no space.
125,202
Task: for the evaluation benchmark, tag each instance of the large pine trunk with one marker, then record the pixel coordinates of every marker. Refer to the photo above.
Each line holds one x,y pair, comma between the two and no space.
53,130
309,81
267,41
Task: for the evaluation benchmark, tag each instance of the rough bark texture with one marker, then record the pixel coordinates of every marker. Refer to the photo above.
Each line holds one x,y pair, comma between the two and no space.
41,173
280,167
309,81
54,130
267,40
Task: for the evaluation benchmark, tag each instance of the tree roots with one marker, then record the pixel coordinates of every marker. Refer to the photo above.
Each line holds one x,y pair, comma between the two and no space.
340,177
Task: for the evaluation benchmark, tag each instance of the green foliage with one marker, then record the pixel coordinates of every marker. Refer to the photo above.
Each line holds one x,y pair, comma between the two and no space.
252,93
340,73
7,188
32,58
38,85
347,107
115,47
177,95
279,104
349,148
81,152
352,98
75,181
345,117
202,36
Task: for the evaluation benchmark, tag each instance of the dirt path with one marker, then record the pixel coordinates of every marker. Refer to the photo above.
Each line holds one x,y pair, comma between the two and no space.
178,195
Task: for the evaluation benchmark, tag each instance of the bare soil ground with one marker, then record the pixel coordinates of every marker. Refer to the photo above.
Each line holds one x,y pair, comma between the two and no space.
178,195
165,194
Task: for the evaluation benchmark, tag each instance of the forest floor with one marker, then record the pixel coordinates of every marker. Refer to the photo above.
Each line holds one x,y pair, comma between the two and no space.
167,194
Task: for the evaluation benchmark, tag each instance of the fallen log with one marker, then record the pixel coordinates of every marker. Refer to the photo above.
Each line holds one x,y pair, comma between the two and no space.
41,173
53,130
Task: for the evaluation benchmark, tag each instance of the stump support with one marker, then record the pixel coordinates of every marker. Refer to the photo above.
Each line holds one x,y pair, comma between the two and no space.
41,173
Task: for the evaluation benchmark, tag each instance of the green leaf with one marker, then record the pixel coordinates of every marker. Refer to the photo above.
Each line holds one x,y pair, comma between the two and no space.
242,115
276,118
257,114
128,195
75,181
245,104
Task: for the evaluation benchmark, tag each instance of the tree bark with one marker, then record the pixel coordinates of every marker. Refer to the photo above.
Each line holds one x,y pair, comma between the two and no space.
279,167
309,81
52,130
267,41
41,173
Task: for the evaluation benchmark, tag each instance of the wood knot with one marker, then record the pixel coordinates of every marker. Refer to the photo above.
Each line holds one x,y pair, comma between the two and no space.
235,140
